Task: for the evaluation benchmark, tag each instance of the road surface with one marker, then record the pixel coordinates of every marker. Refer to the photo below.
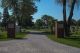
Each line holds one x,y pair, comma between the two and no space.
35,42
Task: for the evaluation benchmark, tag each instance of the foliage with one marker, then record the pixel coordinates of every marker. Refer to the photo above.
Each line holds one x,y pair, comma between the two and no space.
78,22
21,10
5,16
27,22
48,20
39,24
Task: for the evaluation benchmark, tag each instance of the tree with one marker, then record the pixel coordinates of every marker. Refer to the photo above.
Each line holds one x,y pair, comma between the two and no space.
27,22
49,21
78,22
20,11
67,21
21,8
38,24
27,8
5,17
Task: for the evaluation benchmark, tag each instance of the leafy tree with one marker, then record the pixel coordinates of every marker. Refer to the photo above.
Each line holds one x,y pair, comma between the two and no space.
5,17
27,8
21,8
27,22
49,21
38,24
20,11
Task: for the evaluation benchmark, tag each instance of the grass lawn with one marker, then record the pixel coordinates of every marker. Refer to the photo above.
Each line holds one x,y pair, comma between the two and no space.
71,41
20,35
3,35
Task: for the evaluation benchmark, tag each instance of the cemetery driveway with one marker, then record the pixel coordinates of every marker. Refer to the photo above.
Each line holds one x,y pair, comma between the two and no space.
35,42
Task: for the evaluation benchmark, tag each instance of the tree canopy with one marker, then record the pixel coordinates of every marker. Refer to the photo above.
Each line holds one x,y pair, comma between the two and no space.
21,9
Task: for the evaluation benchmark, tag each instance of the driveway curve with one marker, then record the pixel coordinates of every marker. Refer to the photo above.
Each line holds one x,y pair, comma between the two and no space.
35,42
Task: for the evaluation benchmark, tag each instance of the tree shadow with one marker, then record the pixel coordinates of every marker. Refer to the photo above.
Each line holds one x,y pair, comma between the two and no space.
37,33
20,38
75,38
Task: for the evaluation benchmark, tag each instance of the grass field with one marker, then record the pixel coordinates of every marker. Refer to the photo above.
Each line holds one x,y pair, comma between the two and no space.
3,35
71,41
20,35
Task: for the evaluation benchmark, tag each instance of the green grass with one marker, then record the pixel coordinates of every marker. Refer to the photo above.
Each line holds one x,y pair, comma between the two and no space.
71,41
3,35
20,35
76,33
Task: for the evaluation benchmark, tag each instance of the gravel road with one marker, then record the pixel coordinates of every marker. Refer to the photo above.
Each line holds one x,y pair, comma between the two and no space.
35,42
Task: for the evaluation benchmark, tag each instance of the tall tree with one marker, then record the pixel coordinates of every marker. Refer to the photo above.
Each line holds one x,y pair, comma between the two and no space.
67,21
5,16
20,8
27,8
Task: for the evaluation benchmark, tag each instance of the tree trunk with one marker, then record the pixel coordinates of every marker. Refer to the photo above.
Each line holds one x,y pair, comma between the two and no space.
51,28
64,17
70,17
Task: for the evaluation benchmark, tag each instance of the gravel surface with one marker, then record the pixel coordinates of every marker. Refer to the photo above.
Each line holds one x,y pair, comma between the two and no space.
35,43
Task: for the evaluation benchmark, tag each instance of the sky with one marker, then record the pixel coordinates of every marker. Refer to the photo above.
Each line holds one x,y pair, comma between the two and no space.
51,8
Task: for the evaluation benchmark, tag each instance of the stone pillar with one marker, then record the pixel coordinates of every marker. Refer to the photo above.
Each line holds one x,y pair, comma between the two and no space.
55,28
59,31
11,30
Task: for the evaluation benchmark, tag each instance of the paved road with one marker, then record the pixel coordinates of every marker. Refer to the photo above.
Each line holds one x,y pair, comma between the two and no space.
35,43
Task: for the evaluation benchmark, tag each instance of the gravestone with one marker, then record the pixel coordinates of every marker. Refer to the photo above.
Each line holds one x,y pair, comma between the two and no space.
59,30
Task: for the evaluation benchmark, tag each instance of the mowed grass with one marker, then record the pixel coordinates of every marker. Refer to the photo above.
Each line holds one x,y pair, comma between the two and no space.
20,35
71,41
3,35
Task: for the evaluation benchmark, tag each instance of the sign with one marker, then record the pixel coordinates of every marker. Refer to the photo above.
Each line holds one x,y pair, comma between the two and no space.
10,25
60,25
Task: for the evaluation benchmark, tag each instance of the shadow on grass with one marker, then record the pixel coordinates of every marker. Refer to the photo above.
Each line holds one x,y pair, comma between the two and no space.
75,38
20,38
36,33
